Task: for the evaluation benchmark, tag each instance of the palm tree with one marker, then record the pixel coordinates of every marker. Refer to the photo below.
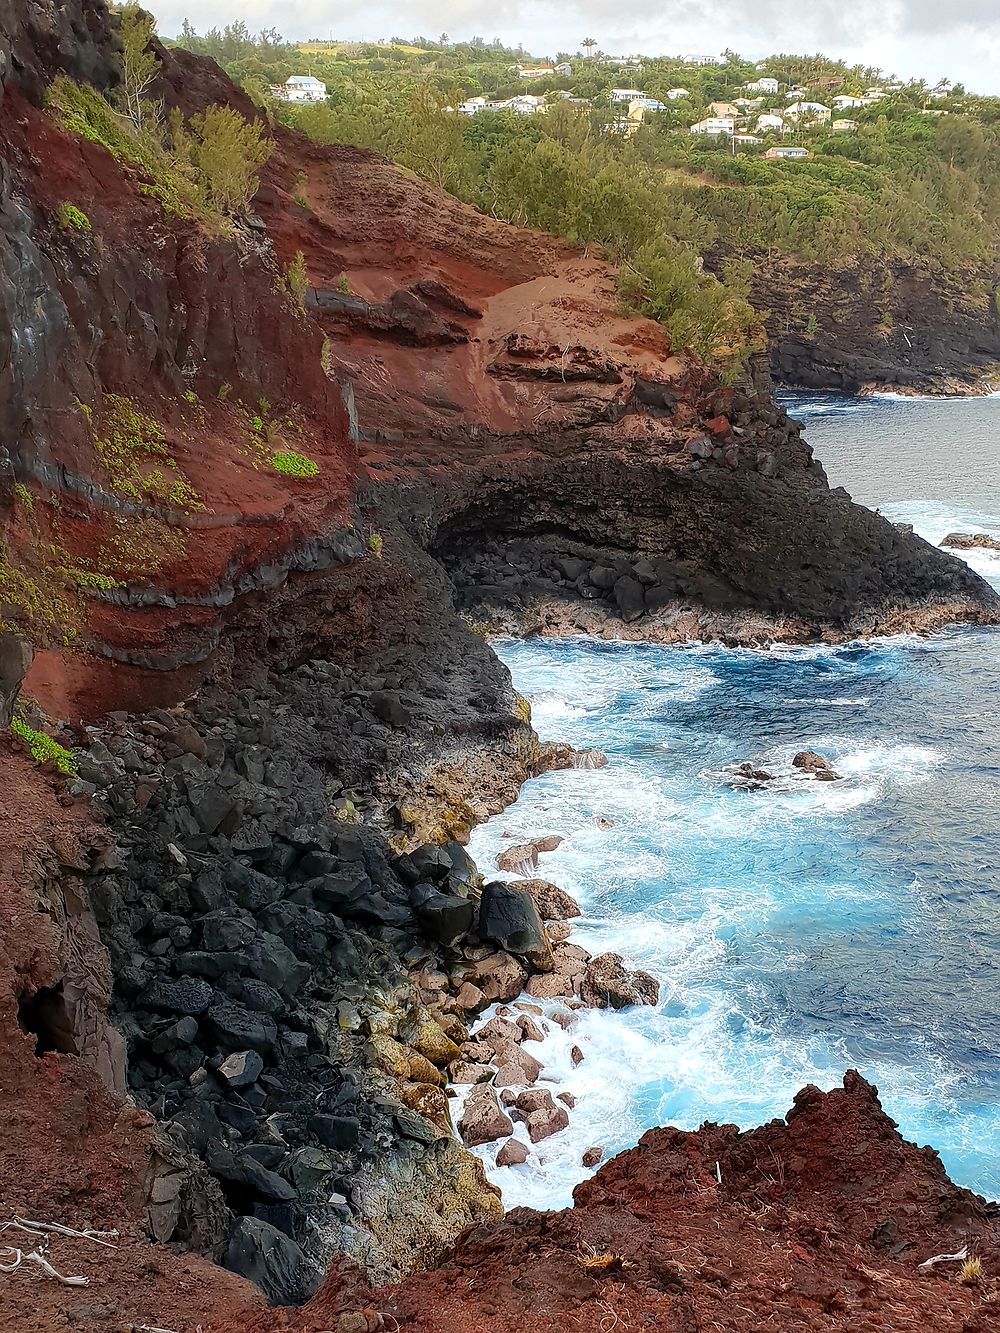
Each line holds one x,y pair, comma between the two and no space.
589,43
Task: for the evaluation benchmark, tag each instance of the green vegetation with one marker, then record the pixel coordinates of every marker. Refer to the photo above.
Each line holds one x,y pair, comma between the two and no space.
71,218
912,176
375,544
298,279
225,152
133,448
292,464
43,748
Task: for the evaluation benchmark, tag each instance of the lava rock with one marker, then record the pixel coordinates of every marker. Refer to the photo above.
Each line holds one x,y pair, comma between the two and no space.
336,1131
186,995
609,984
482,1119
236,1027
508,917
631,598
445,917
241,1068
272,1260
513,1153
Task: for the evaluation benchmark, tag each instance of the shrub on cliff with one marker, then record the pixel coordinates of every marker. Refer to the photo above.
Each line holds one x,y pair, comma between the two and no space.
226,153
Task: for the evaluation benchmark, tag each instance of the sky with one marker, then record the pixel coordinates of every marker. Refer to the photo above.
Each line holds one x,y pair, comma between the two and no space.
930,39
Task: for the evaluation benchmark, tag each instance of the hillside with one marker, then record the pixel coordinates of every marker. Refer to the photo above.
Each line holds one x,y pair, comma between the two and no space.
872,261
285,429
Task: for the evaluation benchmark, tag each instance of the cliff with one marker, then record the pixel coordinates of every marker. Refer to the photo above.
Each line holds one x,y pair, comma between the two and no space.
245,942
889,325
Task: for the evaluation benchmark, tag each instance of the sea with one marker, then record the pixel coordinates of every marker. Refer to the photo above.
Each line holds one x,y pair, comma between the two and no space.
797,929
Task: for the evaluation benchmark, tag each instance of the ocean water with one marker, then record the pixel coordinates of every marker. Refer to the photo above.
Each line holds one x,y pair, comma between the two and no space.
804,928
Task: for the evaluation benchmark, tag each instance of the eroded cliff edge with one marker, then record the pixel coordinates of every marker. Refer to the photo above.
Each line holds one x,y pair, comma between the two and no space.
275,866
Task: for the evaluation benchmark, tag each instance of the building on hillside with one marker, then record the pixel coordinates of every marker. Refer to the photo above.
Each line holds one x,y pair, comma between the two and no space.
724,109
714,125
788,152
769,122
939,91
794,94
524,104
621,62
807,111
845,103
747,104
472,105
747,140
675,94
648,104
841,125
703,60
769,86
535,71
301,88
625,94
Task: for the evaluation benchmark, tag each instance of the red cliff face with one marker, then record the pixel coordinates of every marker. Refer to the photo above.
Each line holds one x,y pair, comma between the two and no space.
487,428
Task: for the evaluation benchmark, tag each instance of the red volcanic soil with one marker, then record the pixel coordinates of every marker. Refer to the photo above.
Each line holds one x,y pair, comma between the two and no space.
818,1222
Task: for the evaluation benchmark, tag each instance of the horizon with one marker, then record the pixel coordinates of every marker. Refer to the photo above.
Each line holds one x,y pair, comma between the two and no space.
908,39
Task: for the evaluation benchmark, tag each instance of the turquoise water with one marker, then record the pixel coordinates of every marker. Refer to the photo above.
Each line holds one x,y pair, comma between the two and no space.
804,928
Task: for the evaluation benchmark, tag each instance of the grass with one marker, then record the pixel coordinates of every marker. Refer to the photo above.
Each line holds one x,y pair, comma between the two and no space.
971,1272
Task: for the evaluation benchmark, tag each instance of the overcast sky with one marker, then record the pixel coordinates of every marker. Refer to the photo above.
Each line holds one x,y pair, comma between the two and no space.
932,39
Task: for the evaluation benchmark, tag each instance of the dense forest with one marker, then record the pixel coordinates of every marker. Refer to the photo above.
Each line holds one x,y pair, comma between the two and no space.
914,175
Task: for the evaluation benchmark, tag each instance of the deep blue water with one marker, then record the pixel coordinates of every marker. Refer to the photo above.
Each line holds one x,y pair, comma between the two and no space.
805,928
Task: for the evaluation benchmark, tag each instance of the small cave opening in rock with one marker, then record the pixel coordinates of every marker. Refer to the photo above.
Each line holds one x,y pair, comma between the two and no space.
44,1014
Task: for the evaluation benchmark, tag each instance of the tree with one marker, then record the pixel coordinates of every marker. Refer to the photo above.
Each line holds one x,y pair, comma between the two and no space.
227,152
139,63
588,44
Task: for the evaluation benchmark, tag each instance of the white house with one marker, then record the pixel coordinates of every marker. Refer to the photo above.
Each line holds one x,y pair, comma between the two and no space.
794,94
746,139
787,152
543,71
625,94
622,62
843,103
714,125
762,86
769,121
840,125
675,94
524,104
647,104
472,105
807,111
302,88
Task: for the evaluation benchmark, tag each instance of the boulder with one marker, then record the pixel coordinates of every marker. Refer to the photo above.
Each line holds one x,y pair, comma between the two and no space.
546,1121
498,1033
530,1029
552,903
236,1027
482,1119
500,977
445,917
186,995
609,984
266,1256
513,1153
15,659
576,1055
336,1131
464,1072
603,577
515,1068
534,1099
520,857
967,541
630,597
808,761
241,1068
508,917
389,708
470,999
591,1156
